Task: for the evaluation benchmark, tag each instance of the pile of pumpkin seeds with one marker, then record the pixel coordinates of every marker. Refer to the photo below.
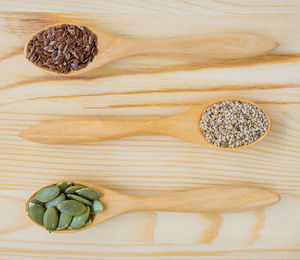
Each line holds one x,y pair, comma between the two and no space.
64,206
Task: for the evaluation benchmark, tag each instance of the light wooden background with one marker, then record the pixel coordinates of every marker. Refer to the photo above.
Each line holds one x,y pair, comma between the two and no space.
151,87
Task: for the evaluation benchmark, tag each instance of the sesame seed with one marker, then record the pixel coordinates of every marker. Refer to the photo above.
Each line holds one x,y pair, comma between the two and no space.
232,123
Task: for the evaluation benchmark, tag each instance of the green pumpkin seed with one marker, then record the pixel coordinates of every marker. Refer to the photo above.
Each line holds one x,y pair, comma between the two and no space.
80,199
64,185
72,189
36,212
56,201
50,219
35,201
79,221
89,221
88,193
47,193
97,206
64,221
71,207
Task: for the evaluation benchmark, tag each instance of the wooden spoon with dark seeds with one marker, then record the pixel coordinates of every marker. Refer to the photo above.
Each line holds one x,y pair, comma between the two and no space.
220,46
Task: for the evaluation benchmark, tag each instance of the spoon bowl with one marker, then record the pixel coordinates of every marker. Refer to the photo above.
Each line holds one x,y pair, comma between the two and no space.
218,199
183,126
212,46
190,121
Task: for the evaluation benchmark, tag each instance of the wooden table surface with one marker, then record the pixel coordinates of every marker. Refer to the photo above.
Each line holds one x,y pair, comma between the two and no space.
149,87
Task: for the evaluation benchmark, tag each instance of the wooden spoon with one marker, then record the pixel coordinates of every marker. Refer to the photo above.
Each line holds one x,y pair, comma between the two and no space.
220,199
184,126
213,46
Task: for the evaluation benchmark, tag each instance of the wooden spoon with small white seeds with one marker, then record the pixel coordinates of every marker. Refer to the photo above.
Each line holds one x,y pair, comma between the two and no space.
212,46
219,199
184,126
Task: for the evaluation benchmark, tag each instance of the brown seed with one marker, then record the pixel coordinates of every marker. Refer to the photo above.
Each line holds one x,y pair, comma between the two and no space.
44,57
65,48
75,55
71,37
71,31
48,48
54,54
32,58
59,58
90,40
85,37
75,63
37,42
46,41
29,54
68,41
40,37
61,39
68,55
62,45
61,70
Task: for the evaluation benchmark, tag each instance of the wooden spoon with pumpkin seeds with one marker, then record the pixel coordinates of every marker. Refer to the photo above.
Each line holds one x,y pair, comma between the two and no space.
76,217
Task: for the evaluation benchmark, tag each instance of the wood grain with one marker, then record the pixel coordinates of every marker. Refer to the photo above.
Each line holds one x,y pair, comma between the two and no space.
151,87
168,7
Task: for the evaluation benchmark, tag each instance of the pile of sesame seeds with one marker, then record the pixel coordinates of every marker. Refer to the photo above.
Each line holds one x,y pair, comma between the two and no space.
232,123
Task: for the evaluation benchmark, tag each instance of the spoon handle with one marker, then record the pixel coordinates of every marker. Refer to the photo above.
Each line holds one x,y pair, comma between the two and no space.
212,200
89,130
215,46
